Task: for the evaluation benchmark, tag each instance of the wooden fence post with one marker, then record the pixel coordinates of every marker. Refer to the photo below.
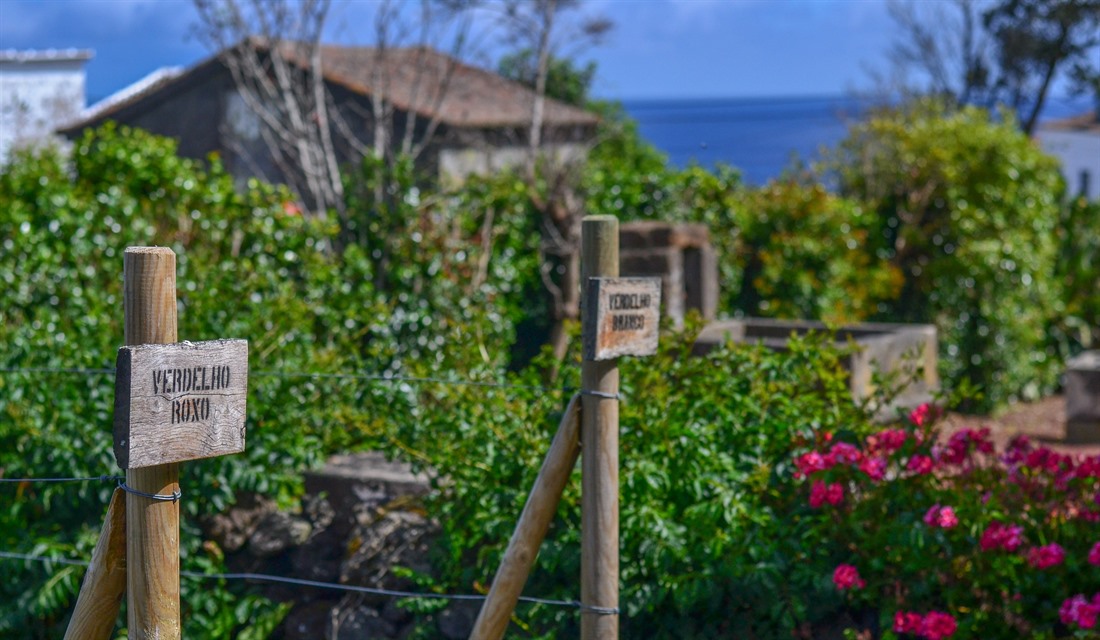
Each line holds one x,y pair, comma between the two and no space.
105,581
539,510
600,450
152,526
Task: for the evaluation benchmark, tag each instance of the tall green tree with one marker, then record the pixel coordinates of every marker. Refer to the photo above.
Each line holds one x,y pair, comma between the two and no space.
1009,52
1035,40
565,80
553,29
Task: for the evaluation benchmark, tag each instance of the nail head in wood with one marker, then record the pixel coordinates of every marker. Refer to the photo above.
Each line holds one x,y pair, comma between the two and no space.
182,401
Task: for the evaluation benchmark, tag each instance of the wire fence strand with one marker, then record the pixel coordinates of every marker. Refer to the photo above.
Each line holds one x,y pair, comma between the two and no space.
263,577
370,377
103,478
260,577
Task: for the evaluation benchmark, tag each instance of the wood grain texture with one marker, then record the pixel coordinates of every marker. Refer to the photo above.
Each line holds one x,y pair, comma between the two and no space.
600,447
538,512
105,581
183,401
152,527
623,318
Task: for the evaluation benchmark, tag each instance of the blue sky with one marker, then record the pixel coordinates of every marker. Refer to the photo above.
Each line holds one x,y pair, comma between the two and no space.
657,49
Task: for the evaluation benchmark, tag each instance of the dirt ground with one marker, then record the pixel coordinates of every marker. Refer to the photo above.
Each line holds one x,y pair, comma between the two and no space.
1044,421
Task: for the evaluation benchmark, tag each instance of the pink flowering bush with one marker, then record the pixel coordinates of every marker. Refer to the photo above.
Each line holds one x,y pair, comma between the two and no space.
1046,556
847,577
944,536
1079,612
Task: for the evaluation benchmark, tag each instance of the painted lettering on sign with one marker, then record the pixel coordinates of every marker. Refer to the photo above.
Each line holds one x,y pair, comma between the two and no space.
632,322
191,379
619,301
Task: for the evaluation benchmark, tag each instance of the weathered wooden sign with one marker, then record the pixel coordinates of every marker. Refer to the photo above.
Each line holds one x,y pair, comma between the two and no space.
622,316
181,401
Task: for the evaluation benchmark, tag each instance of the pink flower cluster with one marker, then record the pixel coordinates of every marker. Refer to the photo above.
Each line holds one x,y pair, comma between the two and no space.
1080,611
942,517
1022,453
1094,554
920,415
820,493
887,441
998,535
840,453
846,577
934,625
1046,556
921,465
961,443
843,453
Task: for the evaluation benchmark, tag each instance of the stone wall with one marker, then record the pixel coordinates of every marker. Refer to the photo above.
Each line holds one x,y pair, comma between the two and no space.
360,518
682,256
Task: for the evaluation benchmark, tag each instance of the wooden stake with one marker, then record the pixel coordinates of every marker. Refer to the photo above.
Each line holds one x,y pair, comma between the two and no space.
152,526
104,583
531,529
600,444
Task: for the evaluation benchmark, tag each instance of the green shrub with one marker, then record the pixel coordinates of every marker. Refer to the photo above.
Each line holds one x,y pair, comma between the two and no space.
248,266
806,254
968,207
704,444
1078,269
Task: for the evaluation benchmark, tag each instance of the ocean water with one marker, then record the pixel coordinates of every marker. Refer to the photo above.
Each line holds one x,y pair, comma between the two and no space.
761,136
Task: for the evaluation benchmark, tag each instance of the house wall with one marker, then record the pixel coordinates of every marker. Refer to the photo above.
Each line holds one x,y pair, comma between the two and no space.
458,163
189,112
35,97
1079,152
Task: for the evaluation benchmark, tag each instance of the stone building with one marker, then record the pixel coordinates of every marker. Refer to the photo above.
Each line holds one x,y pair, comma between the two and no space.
481,117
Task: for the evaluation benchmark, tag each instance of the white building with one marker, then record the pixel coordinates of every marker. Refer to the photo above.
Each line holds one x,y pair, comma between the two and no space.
39,91
1076,142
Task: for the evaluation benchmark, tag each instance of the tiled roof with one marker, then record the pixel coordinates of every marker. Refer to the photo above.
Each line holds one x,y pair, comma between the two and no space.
414,78
472,97
145,86
45,55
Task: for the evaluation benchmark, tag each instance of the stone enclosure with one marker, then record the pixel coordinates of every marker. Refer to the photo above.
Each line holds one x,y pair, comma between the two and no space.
907,351
1082,387
682,256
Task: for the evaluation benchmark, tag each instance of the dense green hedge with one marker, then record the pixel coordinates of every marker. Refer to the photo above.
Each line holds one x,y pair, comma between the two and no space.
969,210
249,266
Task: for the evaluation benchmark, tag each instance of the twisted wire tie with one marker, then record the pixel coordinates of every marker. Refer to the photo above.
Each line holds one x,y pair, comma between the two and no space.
173,497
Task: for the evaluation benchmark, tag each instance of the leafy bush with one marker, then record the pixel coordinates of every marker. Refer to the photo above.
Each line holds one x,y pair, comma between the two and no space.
969,207
247,267
807,255
704,443
1078,269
